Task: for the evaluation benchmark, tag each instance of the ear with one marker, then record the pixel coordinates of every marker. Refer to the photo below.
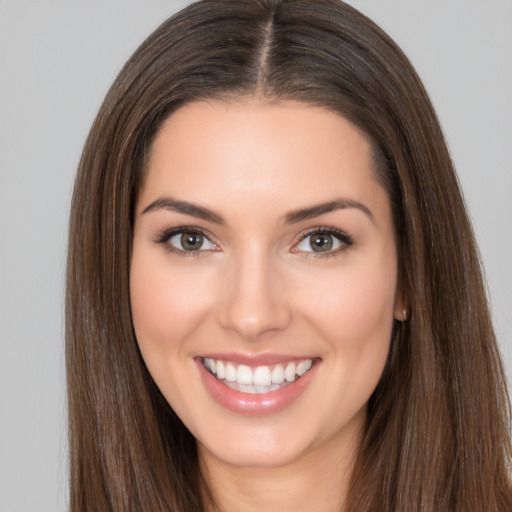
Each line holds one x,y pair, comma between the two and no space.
401,308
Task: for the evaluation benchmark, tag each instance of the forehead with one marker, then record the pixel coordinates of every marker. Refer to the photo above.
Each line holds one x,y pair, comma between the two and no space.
259,152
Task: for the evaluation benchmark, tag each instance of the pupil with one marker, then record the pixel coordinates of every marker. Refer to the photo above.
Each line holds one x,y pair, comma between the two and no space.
321,243
191,241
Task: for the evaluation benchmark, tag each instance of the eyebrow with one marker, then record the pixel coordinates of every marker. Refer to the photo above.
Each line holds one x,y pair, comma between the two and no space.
320,209
169,203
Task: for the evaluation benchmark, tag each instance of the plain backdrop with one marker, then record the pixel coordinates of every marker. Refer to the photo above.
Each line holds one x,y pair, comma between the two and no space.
57,59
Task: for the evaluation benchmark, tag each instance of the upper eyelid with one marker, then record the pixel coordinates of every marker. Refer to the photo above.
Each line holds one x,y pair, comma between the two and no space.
330,230
343,237
165,235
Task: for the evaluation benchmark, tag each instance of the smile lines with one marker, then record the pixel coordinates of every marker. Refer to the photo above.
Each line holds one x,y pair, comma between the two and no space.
262,379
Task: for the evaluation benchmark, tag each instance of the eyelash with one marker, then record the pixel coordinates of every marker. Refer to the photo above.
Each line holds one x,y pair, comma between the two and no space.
345,240
166,236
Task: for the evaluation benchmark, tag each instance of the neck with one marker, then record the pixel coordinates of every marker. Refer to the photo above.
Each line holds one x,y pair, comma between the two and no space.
317,481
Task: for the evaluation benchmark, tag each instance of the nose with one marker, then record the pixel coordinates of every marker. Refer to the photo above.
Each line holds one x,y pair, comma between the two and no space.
255,301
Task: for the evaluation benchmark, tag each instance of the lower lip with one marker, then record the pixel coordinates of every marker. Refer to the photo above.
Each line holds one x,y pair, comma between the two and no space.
258,404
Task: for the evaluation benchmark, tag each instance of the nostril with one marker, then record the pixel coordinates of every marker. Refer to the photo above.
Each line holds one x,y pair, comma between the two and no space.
252,320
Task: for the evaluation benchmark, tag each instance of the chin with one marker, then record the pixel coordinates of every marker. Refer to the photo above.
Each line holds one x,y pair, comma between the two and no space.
263,453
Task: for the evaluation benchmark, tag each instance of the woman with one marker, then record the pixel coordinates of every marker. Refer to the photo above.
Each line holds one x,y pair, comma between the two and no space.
274,296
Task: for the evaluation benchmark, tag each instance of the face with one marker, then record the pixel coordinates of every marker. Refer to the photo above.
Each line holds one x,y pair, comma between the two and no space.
263,278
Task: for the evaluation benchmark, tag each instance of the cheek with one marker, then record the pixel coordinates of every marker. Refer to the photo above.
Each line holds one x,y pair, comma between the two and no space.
354,309
354,320
167,305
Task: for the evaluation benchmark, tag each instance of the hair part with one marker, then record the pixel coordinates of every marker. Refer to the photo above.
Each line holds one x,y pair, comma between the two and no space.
437,432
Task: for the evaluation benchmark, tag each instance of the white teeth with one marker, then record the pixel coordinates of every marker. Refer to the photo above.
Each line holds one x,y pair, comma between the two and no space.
302,367
244,375
245,388
221,370
289,373
261,376
261,379
230,372
278,374
254,389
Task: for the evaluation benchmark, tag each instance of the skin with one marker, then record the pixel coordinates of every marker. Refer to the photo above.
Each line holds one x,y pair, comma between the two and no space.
259,287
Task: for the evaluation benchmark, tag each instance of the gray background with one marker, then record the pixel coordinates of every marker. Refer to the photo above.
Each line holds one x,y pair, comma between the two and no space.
57,59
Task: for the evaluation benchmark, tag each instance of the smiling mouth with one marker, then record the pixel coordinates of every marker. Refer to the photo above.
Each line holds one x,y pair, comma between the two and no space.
257,380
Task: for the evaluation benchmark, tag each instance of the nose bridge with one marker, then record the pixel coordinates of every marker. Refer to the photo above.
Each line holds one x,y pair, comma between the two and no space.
256,301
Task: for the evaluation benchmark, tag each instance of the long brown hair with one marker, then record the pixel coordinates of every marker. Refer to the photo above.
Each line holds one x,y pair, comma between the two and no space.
437,434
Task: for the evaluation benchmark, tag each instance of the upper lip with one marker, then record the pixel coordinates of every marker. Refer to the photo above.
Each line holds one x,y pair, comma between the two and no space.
250,359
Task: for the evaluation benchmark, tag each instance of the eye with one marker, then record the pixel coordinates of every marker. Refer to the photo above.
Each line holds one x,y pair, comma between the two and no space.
184,240
324,240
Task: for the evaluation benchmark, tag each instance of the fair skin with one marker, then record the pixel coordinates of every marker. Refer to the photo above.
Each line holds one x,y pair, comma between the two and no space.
251,276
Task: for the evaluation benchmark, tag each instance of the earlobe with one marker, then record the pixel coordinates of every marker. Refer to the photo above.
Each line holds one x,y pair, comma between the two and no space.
401,309
401,314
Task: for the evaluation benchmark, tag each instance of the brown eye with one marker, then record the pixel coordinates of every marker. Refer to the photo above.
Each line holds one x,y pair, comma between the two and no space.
324,241
190,241
321,242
